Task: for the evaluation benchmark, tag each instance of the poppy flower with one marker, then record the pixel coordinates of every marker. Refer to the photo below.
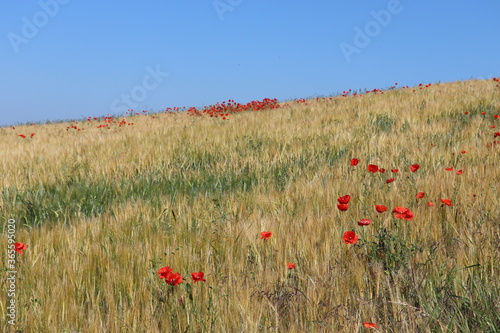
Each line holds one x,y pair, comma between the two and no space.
403,213
290,265
395,170
342,207
364,222
459,172
372,168
350,237
382,170
198,277
354,162
18,247
430,204
463,151
390,180
22,136
420,195
409,215
380,208
32,135
449,169
400,210
414,167
370,325
344,200
173,279
446,202
265,234
164,271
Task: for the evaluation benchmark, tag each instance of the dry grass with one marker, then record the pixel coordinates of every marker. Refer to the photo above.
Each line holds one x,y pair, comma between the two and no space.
101,210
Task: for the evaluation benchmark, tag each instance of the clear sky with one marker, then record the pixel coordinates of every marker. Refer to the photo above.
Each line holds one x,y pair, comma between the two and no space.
69,59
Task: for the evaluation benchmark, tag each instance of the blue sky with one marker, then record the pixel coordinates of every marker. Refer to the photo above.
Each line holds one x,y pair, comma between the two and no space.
69,59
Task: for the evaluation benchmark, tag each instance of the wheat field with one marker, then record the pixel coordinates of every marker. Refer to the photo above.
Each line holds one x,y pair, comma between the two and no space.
103,208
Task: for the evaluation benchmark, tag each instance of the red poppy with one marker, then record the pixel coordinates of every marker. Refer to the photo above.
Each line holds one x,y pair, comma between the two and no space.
344,200
395,170
350,237
265,234
446,202
449,169
32,135
463,151
382,170
400,210
390,180
164,271
372,168
459,172
403,213
409,215
18,247
364,222
380,208
354,162
173,279
430,204
414,167
342,207
198,277
370,325
420,195
22,136
290,265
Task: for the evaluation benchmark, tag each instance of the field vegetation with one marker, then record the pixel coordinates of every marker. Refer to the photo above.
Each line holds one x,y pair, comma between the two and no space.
254,201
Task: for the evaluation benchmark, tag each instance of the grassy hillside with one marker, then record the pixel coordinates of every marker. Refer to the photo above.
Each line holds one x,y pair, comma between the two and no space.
104,204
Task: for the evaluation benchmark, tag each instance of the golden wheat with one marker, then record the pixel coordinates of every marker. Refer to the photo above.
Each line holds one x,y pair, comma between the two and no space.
193,193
